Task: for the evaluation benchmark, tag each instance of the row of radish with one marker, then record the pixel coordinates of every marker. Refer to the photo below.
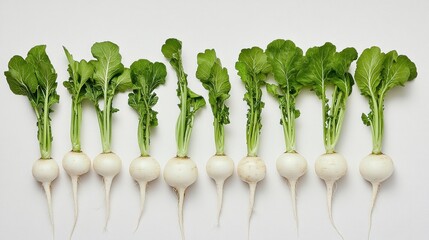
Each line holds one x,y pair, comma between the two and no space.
320,69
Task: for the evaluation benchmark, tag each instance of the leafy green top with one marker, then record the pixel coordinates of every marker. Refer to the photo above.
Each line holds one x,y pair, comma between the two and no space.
190,102
286,60
79,74
324,66
253,68
146,77
110,77
377,73
216,80
35,77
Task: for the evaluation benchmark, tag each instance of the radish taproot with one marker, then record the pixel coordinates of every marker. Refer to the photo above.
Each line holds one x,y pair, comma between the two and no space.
76,163
35,78
324,67
377,73
180,172
145,76
109,78
253,68
215,79
286,59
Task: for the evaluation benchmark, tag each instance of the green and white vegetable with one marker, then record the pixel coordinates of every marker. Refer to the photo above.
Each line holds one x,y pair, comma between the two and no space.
324,67
110,77
146,77
215,79
180,171
35,78
76,162
377,73
286,60
253,68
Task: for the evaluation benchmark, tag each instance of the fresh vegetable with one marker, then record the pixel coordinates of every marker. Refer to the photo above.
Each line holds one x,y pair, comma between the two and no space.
110,77
253,68
377,73
146,77
180,171
286,60
323,67
76,162
35,78
215,79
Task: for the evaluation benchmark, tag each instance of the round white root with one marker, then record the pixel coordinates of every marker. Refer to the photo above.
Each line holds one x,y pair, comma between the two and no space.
144,170
375,168
219,168
45,171
251,170
76,164
292,166
180,173
331,167
107,165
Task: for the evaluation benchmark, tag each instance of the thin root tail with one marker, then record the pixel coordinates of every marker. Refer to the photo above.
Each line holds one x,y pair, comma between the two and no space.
292,185
329,193
75,202
252,188
47,188
181,195
107,186
375,187
219,189
142,186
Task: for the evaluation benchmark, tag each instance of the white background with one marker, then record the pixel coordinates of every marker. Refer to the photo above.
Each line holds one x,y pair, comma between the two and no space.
140,28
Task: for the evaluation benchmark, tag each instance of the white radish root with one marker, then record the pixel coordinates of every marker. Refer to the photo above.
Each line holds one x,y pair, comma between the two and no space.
76,164
331,167
219,168
180,173
375,168
292,166
251,170
107,165
144,170
45,171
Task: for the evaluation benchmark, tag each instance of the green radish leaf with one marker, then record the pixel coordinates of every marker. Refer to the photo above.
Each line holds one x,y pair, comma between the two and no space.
21,77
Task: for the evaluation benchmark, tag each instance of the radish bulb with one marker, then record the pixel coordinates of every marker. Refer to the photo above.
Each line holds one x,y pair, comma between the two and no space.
46,171
322,68
215,79
377,73
35,78
253,68
107,165
219,168
180,171
76,163
285,59
108,79
144,170
331,167
145,77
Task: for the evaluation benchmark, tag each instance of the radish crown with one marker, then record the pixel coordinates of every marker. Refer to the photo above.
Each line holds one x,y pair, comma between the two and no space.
80,73
322,67
286,60
377,73
190,102
146,77
216,80
110,77
253,67
35,77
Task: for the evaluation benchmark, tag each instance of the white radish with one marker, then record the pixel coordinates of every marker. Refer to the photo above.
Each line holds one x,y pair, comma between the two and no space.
219,168
251,170
180,173
107,165
46,171
144,170
331,167
375,168
76,164
291,165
